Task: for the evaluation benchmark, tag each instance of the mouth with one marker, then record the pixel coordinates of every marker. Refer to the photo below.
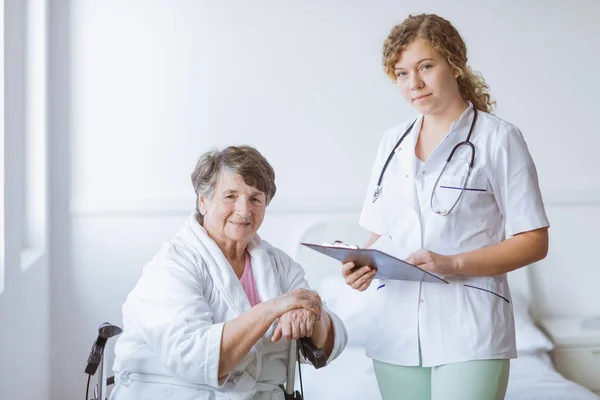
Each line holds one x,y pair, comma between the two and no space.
240,224
422,97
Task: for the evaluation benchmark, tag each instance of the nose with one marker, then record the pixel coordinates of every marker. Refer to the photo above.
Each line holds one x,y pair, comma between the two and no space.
243,207
416,83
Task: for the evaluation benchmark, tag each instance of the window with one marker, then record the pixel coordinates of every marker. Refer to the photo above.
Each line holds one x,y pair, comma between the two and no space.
34,159
1,146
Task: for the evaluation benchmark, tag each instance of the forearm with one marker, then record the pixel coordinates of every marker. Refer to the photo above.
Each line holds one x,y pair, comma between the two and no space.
372,239
241,333
521,250
323,335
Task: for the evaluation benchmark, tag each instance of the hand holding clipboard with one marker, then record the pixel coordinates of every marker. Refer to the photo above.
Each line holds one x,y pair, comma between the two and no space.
387,266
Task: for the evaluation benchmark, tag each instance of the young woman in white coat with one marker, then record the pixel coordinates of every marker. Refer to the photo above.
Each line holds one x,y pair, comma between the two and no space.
208,318
471,219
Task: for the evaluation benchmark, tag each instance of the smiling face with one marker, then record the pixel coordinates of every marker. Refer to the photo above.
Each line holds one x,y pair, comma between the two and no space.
234,211
425,78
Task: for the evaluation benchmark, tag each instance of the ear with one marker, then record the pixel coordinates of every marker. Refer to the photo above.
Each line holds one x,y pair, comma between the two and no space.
456,73
202,204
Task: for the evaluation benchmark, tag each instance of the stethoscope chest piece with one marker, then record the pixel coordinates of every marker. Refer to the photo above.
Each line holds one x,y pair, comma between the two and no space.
376,193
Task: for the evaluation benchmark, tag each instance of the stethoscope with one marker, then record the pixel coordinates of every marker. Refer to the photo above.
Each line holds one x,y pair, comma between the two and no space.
467,143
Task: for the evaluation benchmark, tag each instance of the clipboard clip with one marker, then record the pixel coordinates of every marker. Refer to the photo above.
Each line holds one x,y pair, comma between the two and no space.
340,244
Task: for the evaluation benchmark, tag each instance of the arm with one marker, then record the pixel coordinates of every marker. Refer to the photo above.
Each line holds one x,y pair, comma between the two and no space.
168,309
520,250
323,334
241,333
516,189
510,254
372,239
327,332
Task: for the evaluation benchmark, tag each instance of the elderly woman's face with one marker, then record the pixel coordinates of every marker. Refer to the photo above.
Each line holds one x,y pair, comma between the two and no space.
235,211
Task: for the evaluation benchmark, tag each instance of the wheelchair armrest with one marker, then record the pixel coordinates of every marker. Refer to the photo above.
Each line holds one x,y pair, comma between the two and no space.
312,353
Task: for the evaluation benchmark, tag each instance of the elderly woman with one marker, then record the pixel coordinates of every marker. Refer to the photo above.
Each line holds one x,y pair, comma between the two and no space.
210,316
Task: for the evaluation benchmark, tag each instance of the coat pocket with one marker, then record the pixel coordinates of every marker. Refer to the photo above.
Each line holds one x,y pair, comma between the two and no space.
489,291
491,320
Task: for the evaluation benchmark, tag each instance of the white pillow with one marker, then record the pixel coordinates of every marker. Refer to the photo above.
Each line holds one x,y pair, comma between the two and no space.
530,339
352,306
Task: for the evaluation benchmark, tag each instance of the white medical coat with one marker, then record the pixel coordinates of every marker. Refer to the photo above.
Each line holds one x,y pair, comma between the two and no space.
174,317
471,318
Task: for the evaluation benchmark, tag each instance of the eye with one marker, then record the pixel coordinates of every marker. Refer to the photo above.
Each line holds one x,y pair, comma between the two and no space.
229,196
257,200
400,74
426,67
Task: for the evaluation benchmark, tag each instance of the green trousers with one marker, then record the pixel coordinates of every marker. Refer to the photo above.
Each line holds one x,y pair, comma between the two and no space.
469,380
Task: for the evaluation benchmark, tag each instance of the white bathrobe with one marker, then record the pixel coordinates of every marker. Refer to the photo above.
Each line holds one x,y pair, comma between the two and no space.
174,317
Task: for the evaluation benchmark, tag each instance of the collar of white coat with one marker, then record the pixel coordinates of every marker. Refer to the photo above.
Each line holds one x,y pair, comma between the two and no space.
406,156
223,275
464,121
411,139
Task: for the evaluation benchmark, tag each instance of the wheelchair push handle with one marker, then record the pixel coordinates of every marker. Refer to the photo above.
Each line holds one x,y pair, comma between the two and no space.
312,353
96,360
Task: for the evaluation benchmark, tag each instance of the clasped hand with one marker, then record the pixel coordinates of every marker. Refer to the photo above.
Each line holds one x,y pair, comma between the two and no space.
297,310
295,324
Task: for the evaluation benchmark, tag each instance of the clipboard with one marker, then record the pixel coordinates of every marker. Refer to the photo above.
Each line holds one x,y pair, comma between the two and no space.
388,267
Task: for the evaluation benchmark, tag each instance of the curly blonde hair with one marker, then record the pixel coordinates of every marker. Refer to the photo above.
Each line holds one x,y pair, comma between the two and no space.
446,40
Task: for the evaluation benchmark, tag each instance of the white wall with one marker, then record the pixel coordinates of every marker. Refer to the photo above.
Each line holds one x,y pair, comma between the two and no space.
143,87
24,303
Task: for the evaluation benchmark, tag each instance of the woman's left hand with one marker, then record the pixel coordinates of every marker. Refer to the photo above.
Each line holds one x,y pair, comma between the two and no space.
295,324
434,262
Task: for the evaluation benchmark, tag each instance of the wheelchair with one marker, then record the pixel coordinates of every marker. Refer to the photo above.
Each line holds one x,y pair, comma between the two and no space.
106,331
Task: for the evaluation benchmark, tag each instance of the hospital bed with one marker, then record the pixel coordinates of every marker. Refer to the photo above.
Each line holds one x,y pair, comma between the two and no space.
303,348
351,375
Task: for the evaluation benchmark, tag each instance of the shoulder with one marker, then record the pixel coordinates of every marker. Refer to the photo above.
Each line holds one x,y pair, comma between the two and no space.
497,129
289,273
392,135
284,264
503,141
278,257
178,257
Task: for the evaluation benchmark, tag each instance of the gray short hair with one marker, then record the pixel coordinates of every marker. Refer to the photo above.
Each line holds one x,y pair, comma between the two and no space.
245,161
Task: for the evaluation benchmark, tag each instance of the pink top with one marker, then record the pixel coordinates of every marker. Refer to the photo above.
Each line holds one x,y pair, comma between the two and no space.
248,283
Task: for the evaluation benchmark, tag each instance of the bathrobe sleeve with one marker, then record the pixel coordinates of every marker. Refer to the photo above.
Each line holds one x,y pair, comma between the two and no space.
292,277
169,310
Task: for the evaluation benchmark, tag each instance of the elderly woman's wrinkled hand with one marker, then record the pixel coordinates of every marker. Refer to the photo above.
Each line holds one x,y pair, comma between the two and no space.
298,299
295,324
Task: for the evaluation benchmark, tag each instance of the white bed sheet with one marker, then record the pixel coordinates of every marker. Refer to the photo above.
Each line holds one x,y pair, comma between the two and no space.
351,377
533,377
